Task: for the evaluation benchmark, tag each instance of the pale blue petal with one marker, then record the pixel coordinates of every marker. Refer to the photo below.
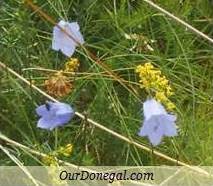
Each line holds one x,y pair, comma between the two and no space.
62,23
57,123
166,121
152,107
145,129
171,131
155,138
63,119
62,41
74,29
56,45
68,49
63,108
156,130
53,122
44,123
74,26
60,38
170,128
42,110
171,117
64,112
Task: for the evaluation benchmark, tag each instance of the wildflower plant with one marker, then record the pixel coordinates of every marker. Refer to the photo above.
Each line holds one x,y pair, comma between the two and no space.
157,122
105,37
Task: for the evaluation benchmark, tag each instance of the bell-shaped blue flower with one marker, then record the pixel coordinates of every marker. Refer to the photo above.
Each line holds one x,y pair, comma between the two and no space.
54,115
157,122
67,39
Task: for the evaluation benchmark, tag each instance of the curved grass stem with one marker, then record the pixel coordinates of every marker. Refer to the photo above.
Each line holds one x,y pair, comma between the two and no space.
92,57
98,125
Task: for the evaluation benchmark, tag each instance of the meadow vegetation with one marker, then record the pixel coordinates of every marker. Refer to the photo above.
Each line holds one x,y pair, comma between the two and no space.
184,58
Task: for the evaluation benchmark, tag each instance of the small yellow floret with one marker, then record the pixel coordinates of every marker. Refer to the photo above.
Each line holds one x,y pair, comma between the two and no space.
72,65
50,160
65,151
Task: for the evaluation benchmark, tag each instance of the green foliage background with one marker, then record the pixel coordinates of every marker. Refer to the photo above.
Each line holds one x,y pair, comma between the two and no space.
185,59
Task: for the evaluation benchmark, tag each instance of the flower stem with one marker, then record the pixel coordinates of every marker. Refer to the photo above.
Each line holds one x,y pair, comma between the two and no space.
56,138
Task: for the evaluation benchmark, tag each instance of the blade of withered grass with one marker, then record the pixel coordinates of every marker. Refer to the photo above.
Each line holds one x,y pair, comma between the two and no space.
98,125
13,143
152,4
24,148
89,54
35,152
80,75
178,20
19,164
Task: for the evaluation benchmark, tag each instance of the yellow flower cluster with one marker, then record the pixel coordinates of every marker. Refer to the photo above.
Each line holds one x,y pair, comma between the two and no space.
154,82
72,65
52,159
66,150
